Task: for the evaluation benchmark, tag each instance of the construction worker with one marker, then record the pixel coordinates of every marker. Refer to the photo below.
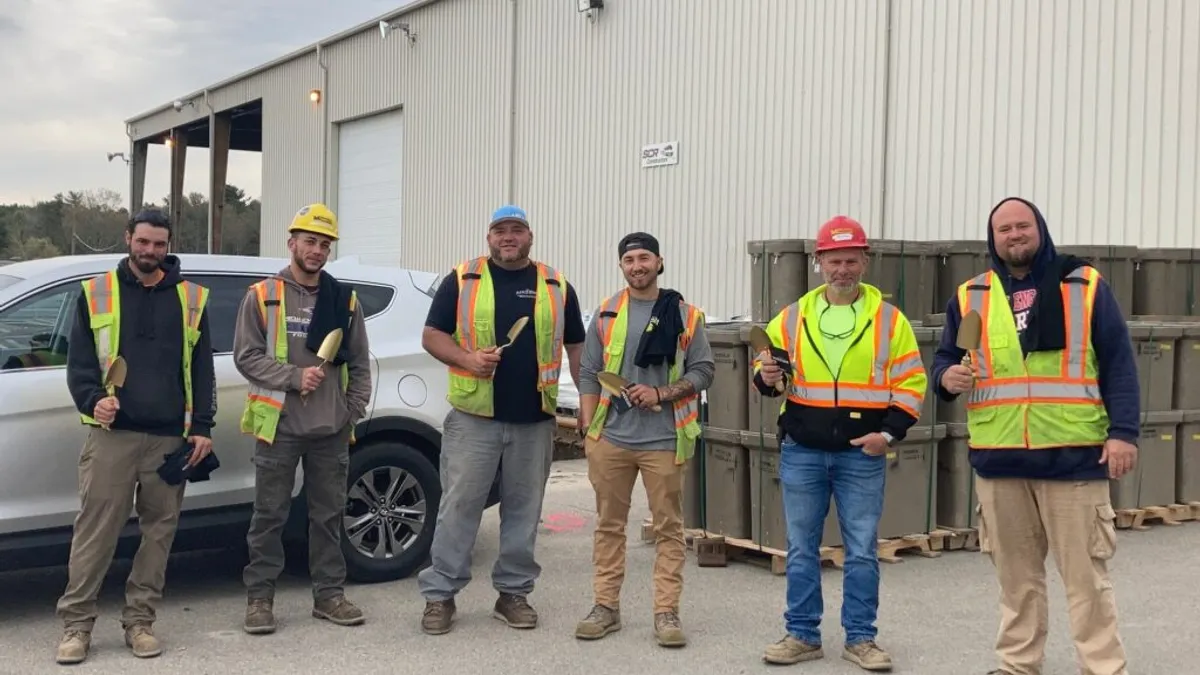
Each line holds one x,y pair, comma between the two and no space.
504,406
301,412
146,314
854,385
1052,415
657,342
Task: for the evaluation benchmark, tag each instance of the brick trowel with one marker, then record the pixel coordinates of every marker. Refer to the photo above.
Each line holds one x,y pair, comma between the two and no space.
618,388
760,342
970,331
326,352
513,332
115,378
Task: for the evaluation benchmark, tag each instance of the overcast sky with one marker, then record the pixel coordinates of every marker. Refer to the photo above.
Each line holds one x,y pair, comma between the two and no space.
75,70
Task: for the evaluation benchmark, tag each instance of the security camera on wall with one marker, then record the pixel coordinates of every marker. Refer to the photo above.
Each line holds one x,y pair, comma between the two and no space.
178,105
589,5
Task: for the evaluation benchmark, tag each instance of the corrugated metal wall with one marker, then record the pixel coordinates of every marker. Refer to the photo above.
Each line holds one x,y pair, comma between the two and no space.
786,112
1088,107
775,105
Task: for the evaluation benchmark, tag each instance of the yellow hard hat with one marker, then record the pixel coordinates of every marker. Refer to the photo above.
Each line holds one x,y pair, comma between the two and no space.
315,218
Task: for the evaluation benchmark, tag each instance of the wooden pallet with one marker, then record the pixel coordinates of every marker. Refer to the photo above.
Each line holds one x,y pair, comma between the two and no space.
1171,514
714,550
955,539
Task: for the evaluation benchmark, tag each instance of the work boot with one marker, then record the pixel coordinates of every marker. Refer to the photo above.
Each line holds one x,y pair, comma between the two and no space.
791,650
600,622
515,611
868,656
140,638
668,631
438,616
338,610
260,616
74,646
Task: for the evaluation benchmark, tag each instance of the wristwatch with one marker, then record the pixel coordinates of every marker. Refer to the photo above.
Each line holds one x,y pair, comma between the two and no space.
888,437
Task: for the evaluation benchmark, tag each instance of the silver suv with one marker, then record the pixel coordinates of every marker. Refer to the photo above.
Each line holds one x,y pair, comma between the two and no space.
395,458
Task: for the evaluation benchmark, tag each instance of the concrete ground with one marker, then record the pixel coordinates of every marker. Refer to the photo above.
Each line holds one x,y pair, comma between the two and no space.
938,616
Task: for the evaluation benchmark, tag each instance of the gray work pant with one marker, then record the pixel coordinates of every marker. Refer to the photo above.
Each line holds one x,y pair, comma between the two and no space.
472,450
326,462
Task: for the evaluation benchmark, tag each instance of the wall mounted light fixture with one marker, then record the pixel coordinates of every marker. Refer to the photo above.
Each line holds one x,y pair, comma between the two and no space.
315,95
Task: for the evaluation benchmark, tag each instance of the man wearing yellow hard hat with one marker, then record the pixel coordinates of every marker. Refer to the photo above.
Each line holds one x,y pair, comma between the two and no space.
298,414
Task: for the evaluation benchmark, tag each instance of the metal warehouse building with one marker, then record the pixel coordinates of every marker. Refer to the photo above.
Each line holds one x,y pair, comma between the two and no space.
714,122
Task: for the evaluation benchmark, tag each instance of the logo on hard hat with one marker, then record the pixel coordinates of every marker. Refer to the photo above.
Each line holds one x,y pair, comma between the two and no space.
323,219
303,211
842,234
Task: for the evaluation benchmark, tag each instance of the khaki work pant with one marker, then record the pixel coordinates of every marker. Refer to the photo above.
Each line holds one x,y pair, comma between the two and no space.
1019,522
117,473
613,472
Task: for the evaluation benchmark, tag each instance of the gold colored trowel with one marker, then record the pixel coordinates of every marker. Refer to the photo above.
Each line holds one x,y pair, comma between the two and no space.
617,386
761,342
970,332
514,332
115,377
326,352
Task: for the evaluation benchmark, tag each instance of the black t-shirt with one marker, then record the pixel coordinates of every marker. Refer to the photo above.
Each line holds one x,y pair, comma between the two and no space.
517,399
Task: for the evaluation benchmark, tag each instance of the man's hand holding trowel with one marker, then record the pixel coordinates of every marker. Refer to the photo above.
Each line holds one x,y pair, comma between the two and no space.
776,364
960,378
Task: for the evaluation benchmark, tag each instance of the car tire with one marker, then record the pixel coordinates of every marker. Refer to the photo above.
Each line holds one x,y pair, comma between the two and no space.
378,457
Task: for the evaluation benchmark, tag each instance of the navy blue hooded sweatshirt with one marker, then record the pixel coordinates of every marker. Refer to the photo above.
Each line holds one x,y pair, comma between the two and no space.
1118,377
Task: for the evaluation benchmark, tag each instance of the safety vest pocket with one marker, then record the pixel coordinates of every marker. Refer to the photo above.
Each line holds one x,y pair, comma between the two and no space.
1081,413
102,320
460,384
483,333
193,336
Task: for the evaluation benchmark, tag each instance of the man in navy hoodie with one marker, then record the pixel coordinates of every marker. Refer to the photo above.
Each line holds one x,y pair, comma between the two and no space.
1052,415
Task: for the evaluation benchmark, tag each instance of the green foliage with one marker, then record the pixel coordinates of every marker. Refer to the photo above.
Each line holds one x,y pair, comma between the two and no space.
94,221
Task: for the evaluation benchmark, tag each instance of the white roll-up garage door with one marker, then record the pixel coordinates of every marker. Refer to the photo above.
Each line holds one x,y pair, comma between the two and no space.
370,163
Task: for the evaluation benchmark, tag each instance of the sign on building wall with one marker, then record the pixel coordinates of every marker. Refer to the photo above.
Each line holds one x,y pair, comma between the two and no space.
660,154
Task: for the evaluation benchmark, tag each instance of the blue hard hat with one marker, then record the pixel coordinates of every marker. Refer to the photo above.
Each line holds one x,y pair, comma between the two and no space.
509,212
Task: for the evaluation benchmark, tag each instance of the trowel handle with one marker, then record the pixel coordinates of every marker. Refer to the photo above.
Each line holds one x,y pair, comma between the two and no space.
780,386
966,359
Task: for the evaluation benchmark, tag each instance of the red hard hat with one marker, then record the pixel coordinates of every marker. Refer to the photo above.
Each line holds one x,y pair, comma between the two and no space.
841,232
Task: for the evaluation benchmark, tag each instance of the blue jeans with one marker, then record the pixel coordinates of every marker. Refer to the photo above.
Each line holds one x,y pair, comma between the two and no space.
856,481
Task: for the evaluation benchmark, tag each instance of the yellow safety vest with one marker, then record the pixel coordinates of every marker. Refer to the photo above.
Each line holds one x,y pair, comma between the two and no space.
1045,399
260,417
611,324
882,367
103,296
476,329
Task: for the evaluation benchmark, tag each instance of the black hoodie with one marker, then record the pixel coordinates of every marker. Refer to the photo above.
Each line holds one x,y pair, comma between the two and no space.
1114,353
151,339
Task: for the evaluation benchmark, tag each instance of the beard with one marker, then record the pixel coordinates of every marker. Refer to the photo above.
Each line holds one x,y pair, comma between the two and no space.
308,267
145,263
642,282
509,255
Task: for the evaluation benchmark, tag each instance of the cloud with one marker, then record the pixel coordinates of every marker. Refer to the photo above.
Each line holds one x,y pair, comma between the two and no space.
82,67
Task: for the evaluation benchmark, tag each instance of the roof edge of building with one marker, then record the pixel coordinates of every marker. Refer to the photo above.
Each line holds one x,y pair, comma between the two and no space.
411,6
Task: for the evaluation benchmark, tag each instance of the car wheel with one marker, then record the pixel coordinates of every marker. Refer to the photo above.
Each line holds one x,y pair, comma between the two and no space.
391,509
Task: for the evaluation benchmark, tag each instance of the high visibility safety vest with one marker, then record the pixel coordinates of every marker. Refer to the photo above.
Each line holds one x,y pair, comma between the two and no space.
881,368
611,324
476,329
1045,399
103,296
260,417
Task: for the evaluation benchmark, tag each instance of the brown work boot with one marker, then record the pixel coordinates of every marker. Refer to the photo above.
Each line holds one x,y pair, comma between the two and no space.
515,611
438,616
260,616
140,638
868,656
600,622
668,630
74,646
338,610
790,650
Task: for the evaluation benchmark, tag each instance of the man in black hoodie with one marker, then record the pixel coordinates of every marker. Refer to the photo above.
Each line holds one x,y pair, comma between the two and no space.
1052,414
144,312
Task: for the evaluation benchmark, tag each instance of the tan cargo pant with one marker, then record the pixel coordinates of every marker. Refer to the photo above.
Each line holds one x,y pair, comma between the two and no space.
613,471
118,472
1019,521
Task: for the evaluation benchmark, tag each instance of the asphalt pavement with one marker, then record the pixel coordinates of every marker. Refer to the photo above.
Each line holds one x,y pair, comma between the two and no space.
938,616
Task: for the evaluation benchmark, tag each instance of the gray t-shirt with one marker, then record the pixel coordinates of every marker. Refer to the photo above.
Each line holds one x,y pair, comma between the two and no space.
639,429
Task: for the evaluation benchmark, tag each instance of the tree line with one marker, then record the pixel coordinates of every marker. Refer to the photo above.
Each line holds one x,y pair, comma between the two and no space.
94,221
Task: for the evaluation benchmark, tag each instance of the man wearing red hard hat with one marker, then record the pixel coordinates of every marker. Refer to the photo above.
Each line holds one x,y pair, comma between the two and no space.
853,384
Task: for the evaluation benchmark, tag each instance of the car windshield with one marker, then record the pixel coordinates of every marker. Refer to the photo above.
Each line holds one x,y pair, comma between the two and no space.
7,280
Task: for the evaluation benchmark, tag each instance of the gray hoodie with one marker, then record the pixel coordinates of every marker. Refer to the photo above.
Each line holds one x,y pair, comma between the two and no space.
328,410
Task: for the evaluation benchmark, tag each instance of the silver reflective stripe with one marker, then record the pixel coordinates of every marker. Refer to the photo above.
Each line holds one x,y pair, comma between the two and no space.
102,295
466,294
272,339
1076,325
791,329
977,299
1035,390
905,365
689,409
558,299
909,399
879,370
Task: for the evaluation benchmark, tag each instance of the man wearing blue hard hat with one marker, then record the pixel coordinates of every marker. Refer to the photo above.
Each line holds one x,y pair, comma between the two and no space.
504,398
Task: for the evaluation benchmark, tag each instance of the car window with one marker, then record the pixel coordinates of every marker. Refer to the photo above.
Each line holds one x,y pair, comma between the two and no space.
373,299
34,331
225,294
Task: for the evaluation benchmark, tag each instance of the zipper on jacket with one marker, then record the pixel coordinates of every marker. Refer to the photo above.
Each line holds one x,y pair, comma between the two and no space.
813,344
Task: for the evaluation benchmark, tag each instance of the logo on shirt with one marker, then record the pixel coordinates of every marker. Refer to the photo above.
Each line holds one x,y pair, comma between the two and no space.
297,326
1022,302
